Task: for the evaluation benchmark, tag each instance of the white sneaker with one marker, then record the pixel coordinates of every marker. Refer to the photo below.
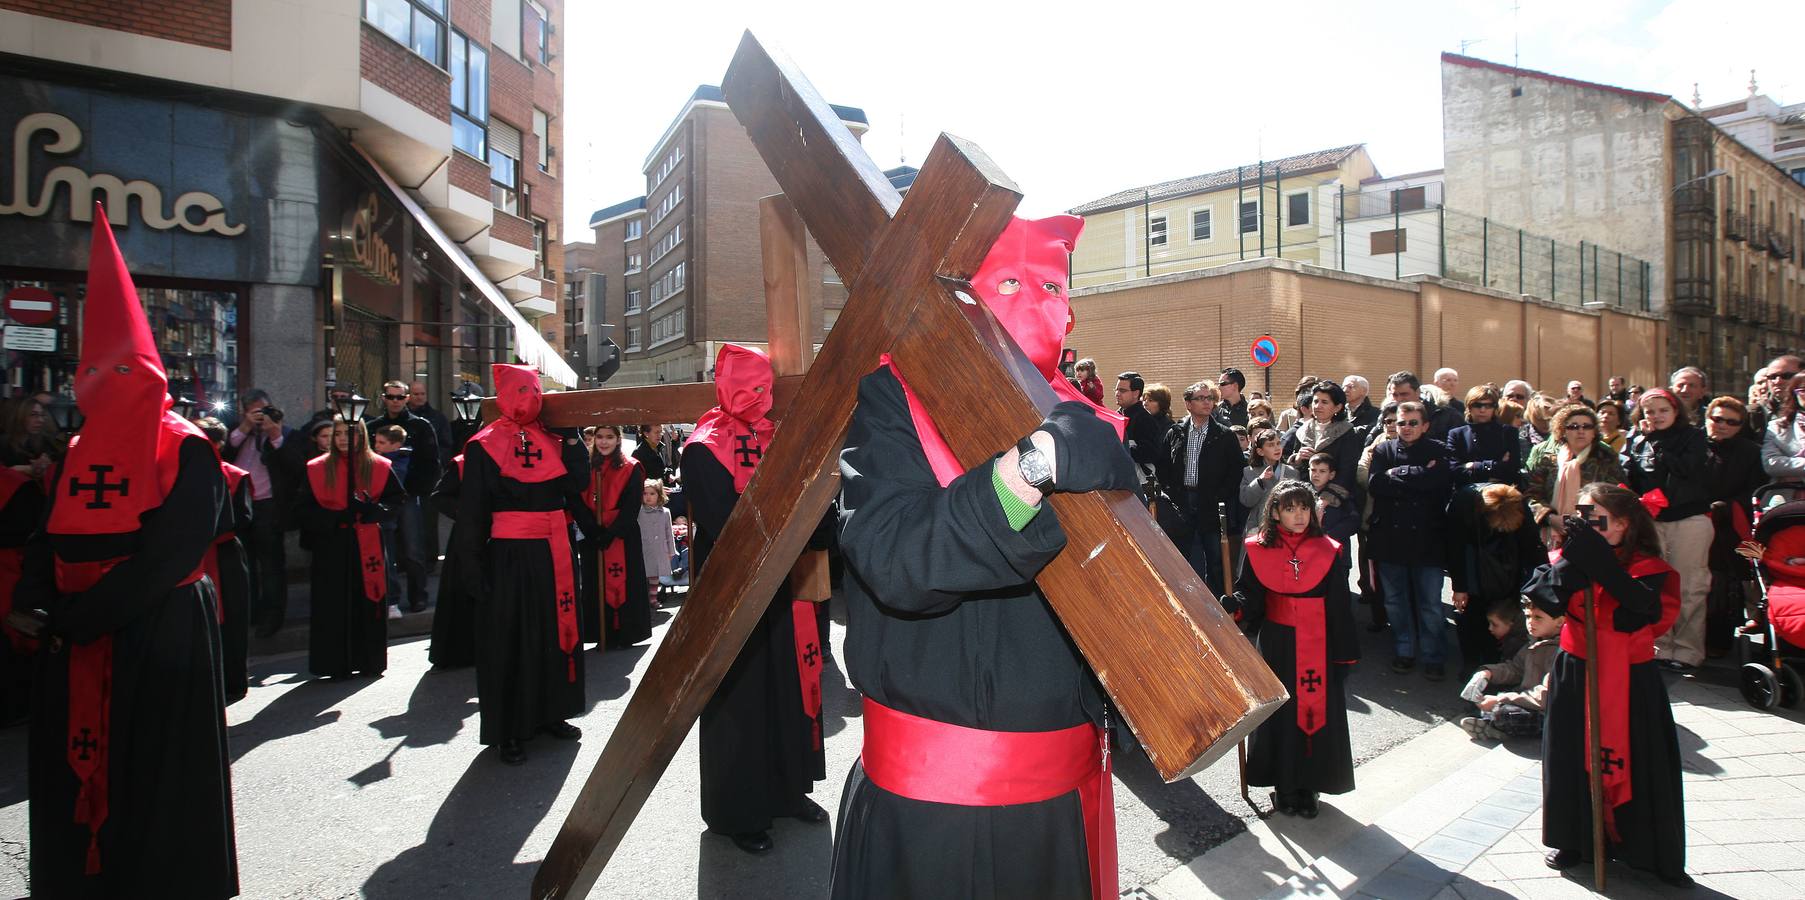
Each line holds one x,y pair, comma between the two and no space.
394,612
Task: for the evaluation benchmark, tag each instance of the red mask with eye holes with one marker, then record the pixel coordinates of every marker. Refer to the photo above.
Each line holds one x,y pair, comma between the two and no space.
1023,283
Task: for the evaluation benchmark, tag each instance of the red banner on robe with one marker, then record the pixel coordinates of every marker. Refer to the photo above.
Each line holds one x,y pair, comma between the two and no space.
808,663
605,485
550,526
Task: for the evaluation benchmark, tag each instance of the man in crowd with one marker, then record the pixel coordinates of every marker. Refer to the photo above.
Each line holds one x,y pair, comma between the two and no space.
1518,391
1199,466
422,475
1232,410
1142,435
1405,387
334,395
1448,381
1690,384
1410,485
1360,409
1619,391
255,446
1576,393
1778,374
441,429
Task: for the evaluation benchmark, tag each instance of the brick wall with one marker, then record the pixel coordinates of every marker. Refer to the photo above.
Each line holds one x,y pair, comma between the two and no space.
402,72
1179,329
207,23
512,229
469,175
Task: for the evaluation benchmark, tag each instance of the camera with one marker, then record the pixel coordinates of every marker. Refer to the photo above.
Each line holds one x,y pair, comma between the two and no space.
274,414
1585,515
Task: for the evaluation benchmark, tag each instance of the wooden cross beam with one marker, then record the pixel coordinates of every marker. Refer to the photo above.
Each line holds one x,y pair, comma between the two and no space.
1185,679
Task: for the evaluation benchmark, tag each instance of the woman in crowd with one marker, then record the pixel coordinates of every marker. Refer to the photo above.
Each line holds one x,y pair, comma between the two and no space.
1510,415
1260,408
1157,400
1636,598
1265,470
1734,464
1327,430
1611,425
617,611
1668,459
29,445
1538,419
347,494
1783,445
1484,450
1561,465
1371,594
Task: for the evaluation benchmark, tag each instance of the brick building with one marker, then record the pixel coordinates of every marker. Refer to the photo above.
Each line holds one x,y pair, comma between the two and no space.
326,192
681,265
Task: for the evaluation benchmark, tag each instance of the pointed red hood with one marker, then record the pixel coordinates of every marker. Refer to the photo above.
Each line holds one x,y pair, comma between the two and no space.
736,431
519,445
123,462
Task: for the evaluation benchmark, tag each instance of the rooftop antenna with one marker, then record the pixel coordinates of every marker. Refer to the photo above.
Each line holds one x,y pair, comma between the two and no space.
1752,90
902,134
1516,49
1468,43
1697,102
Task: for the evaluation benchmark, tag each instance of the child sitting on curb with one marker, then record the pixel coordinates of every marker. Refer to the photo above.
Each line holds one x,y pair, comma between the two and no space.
1516,713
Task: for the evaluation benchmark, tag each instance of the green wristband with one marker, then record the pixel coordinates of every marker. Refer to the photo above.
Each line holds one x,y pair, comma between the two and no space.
1018,513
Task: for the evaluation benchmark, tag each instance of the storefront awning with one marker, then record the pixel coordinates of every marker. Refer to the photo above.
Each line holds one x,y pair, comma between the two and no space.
528,345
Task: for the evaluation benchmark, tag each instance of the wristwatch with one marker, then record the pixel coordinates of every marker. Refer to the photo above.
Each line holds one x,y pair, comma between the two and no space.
1035,469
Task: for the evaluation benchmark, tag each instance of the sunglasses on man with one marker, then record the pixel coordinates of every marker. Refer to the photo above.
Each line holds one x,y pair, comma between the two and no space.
394,396
1410,423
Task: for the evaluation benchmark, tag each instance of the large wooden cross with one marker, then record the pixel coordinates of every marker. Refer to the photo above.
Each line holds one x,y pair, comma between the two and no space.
1184,678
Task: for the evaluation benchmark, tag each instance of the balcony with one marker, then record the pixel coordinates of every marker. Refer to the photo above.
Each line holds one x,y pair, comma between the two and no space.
536,307
1779,244
1736,226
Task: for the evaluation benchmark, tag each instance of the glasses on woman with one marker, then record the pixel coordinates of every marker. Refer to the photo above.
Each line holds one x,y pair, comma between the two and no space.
1582,426
1483,404
1728,423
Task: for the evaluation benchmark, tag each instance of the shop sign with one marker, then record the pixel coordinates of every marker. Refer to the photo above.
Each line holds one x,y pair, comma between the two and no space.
29,339
364,246
194,211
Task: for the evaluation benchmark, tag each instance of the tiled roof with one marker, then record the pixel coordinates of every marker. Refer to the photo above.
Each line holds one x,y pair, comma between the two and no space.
618,209
901,176
1299,164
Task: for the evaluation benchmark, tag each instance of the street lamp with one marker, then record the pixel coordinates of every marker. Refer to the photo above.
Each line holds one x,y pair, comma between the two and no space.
66,415
184,407
1705,177
351,408
467,404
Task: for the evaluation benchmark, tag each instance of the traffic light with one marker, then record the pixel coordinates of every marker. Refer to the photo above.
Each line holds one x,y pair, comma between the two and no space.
609,356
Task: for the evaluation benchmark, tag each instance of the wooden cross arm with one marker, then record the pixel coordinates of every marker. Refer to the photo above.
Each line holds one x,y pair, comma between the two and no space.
658,404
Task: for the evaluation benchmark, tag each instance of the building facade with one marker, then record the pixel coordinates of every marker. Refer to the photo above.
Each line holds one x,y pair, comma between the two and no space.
307,194
1285,208
1718,222
682,264
1775,131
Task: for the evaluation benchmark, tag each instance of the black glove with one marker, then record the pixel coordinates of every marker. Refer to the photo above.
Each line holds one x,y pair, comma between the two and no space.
364,509
1088,455
1629,620
1585,548
1233,604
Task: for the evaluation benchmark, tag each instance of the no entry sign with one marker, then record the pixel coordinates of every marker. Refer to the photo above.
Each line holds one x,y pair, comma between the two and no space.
1265,351
31,306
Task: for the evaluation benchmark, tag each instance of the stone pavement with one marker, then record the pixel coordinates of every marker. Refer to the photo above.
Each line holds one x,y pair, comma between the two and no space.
1443,818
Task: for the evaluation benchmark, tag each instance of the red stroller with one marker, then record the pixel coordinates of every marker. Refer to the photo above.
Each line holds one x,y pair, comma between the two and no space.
1773,650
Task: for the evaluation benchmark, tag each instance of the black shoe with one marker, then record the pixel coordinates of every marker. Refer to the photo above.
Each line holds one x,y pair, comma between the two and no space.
1306,805
754,842
1562,859
811,812
417,605
1433,671
1403,663
1282,803
512,753
563,731
1674,665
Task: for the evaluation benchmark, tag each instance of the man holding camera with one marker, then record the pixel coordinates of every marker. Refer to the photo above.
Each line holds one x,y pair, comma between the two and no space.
253,446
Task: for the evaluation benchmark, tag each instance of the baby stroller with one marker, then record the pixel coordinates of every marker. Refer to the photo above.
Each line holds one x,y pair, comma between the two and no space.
679,577
1773,650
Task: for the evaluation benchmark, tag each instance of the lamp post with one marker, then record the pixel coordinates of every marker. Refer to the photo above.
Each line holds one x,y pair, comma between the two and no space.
351,408
467,405
1705,177
184,407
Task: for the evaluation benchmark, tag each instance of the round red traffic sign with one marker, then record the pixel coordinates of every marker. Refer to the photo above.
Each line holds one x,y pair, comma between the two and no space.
1265,351
31,306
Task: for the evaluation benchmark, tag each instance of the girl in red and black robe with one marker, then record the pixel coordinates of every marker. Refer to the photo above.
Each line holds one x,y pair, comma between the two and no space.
1292,598
130,783
1637,598
617,611
454,618
347,495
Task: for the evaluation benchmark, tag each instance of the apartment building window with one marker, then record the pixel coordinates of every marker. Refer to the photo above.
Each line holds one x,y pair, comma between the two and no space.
1389,241
420,24
669,284
1297,209
635,230
545,272
1201,224
1156,231
542,136
632,337
1798,174
504,26
668,204
668,328
1409,199
469,96
504,167
669,165
541,25
635,262
633,301
668,243
1250,216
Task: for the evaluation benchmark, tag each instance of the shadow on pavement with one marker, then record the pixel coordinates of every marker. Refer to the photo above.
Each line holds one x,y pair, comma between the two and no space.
799,864
609,675
839,701
1194,821
471,844
303,708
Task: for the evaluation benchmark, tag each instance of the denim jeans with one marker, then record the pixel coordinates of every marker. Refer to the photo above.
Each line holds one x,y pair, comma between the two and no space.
410,549
269,565
1413,603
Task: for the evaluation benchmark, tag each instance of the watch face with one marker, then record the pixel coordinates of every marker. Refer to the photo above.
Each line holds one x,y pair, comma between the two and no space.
1035,470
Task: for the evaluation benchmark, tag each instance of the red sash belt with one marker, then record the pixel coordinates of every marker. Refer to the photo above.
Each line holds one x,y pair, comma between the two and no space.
90,706
808,663
937,762
210,568
1309,686
548,525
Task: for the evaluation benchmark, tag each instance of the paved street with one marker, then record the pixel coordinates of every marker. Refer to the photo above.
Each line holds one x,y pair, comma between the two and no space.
378,788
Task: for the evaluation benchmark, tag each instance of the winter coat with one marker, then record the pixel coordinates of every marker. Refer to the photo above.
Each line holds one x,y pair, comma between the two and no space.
1410,484
1484,453
1545,466
1673,461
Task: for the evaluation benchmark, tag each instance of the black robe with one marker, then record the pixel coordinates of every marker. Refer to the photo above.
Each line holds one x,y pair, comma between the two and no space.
758,755
19,520
454,618
235,592
1280,755
636,612
348,632
944,621
169,823
523,678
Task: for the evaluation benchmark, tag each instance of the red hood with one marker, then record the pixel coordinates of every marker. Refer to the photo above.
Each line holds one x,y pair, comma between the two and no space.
742,382
1023,282
517,392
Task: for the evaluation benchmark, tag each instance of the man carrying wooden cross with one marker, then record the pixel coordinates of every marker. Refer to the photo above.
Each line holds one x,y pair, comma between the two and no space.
985,770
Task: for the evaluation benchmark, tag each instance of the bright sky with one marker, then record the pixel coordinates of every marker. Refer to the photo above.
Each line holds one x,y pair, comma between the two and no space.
1079,101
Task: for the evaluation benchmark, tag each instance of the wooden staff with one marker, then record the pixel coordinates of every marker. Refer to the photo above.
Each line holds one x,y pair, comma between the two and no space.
1228,587
1594,773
